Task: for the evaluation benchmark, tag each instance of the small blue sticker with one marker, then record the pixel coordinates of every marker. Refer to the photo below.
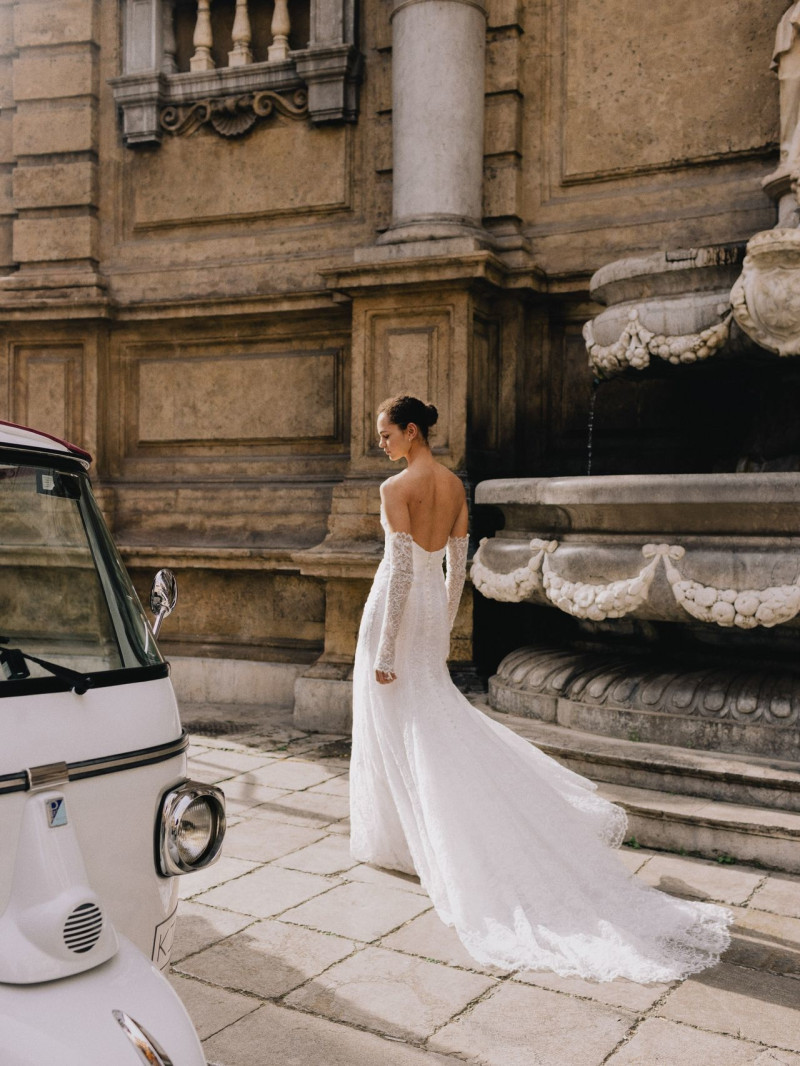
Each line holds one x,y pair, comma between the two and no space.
57,812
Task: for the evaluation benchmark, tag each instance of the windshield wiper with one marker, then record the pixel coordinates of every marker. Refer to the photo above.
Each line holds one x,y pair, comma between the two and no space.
12,661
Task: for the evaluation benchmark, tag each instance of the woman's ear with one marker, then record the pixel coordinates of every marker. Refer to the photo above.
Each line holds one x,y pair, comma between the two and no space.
412,430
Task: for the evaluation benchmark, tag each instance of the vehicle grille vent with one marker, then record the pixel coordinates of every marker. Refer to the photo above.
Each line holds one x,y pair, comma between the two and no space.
83,928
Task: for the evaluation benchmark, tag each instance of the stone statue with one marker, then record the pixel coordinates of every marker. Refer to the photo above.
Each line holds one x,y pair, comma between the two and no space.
786,61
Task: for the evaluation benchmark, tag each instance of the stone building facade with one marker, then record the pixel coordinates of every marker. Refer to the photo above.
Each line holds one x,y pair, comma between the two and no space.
229,229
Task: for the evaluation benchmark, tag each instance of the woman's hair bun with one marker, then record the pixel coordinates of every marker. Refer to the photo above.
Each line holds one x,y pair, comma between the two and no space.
401,410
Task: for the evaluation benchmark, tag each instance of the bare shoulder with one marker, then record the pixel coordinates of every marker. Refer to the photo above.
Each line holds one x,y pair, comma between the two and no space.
393,488
453,482
394,500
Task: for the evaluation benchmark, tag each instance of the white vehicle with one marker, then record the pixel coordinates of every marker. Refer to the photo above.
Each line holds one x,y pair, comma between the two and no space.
97,818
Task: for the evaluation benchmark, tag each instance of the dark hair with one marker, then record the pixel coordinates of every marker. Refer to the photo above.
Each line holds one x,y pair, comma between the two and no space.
400,410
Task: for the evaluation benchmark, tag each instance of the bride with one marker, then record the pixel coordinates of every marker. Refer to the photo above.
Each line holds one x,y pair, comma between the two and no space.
514,850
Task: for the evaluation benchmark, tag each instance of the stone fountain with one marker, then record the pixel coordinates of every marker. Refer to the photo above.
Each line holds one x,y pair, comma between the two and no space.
665,608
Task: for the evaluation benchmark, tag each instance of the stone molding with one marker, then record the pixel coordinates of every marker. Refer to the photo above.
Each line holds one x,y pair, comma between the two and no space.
744,609
766,297
554,684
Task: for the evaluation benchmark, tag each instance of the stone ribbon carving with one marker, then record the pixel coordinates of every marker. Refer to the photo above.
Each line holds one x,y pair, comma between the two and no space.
744,609
231,116
637,344
766,297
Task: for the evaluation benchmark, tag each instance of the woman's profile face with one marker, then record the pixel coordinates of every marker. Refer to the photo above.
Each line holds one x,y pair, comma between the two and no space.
392,440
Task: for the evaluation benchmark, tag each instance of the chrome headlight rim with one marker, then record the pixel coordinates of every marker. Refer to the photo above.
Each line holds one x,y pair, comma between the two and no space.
174,805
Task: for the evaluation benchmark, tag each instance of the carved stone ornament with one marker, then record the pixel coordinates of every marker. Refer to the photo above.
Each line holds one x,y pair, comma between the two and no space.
766,297
743,608
232,116
520,583
637,344
651,696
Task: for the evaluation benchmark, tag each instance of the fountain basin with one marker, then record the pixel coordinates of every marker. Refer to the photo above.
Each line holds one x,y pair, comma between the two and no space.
684,595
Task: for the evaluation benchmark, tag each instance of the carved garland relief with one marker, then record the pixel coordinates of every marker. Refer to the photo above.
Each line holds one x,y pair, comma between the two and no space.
637,344
744,609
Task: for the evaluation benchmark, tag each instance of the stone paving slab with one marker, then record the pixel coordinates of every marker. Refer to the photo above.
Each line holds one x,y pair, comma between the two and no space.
331,855
372,875
210,1008
334,786
248,840
289,774
429,938
226,764
269,958
766,941
698,878
750,1004
266,891
780,894
519,1025
243,795
363,912
320,807
199,926
391,993
618,993
277,1036
297,810
658,1042
224,869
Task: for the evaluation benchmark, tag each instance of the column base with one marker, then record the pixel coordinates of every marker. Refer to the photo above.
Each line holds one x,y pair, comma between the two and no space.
435,228
323,698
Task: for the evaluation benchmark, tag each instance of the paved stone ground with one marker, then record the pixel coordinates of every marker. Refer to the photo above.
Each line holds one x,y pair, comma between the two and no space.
290,954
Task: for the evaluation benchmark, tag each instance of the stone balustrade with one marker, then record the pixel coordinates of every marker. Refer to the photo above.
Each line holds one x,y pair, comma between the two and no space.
183,67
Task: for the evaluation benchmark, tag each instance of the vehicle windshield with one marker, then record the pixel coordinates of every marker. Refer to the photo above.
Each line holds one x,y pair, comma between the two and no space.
65,596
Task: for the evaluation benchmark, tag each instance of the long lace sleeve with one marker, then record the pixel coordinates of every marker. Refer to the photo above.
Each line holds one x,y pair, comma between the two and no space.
456,557
401,573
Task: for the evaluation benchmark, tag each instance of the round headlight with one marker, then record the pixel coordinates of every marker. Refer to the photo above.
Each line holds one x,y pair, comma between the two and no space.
196,831
190,828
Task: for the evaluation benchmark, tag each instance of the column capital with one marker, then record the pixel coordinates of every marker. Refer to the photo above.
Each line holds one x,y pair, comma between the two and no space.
400,4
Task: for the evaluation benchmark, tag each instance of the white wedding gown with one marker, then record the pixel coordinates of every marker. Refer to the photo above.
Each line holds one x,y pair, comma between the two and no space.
514,850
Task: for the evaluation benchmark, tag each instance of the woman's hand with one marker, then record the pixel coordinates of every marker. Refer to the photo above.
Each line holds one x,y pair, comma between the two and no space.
385,677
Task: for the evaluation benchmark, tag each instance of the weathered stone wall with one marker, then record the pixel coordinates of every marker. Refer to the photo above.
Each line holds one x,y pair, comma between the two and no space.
217,317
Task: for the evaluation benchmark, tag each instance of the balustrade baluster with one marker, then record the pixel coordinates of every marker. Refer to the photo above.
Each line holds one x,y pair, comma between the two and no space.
281,27
169,60
203,39
241,54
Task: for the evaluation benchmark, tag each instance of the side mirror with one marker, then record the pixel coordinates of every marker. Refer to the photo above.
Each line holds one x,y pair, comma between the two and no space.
163,597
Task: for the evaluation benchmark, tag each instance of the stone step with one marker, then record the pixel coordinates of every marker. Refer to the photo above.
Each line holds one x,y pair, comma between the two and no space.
751,835
751,780
714,804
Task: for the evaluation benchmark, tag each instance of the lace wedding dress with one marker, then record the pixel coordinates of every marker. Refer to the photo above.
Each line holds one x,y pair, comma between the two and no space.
514,850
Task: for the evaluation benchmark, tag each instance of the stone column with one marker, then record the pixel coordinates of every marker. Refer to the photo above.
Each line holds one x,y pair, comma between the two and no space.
438,49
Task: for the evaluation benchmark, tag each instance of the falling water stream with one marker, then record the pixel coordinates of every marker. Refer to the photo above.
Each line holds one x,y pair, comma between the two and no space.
590,427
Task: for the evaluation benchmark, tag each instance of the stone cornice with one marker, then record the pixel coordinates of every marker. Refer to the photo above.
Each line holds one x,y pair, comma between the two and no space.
430,271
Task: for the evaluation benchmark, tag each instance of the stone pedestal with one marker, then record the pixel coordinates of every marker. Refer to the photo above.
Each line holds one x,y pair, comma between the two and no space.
683,594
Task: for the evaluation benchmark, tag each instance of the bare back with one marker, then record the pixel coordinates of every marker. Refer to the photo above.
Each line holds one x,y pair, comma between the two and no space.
428,502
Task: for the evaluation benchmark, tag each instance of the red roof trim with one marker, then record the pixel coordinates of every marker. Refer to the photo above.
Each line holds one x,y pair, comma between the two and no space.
40,433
